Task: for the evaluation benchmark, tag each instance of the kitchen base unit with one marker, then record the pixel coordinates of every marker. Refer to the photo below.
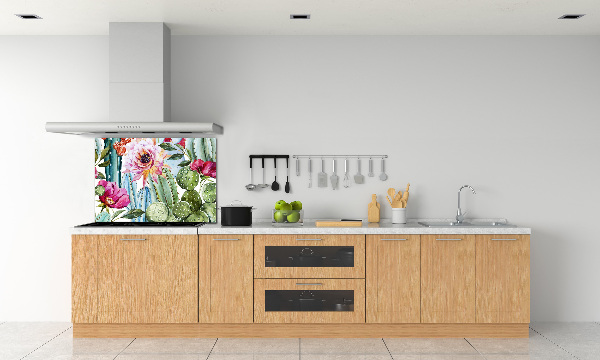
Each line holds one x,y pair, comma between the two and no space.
300,330
265,282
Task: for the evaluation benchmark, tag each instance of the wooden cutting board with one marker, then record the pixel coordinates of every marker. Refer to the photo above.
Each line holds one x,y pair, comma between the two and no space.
334,223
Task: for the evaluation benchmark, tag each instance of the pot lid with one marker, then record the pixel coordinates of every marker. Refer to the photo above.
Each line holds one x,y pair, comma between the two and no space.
237,203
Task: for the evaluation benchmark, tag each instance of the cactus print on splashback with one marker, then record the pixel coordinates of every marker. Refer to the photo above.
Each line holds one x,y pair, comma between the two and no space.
155,179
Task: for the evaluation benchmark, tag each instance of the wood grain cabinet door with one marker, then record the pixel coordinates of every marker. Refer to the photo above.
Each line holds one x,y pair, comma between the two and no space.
148,279
502,278
225,278
393,279
448,278
84,282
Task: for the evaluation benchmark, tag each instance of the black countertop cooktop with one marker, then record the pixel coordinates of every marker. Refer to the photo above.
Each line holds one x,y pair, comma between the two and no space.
142,224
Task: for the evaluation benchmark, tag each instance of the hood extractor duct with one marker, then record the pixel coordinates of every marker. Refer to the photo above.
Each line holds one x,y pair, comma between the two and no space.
140,88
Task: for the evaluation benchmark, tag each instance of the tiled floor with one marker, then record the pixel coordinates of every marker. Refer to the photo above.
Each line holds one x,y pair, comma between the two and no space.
54,341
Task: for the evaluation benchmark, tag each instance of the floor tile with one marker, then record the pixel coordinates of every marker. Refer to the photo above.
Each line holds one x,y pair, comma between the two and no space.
581,340
162,356
347,357
170,346
500,346
66,347
418,346
343,346
69,357
254,357
588,331
529,357
228,346
448,357
17,339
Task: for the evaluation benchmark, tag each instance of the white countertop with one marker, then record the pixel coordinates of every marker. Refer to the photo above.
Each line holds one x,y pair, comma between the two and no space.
263,226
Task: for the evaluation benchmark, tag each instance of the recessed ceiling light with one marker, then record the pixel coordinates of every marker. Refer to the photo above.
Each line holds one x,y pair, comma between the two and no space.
300,16
571,16
28,16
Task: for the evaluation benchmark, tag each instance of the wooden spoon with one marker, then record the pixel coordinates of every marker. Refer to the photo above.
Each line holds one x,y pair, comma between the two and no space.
388,199
391,192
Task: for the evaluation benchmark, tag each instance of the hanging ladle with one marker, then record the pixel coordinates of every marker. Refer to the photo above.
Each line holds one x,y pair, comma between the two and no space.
250,186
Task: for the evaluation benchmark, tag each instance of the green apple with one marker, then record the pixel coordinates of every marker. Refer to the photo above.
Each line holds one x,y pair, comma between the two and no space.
296,205
285,207
278,204
293,217
279,216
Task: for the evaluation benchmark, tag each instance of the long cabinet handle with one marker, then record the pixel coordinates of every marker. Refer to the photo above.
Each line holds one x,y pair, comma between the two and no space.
504,239
449,239
226,239
133,239
393,239
309,284
309,239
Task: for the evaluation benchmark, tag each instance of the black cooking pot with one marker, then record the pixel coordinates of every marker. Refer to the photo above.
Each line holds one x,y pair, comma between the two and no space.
236,214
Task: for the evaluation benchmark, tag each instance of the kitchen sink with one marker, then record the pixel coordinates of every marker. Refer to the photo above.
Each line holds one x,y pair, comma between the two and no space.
465,224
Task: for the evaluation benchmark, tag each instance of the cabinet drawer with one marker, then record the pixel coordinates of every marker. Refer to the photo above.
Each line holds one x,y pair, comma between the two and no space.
309,256
309,300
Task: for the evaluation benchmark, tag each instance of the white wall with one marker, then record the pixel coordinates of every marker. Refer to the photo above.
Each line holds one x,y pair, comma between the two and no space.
516,117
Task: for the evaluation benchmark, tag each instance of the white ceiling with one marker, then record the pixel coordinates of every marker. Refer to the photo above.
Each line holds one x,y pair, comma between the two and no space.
328,17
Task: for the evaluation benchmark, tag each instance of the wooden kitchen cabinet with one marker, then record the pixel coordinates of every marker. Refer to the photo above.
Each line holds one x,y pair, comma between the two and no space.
447,278
225,278
147,278
502,269
84,281
393,279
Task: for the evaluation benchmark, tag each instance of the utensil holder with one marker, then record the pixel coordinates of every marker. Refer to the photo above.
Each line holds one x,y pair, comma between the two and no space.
398,215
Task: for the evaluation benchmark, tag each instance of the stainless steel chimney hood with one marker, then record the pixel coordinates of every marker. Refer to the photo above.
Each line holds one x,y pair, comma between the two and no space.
140,88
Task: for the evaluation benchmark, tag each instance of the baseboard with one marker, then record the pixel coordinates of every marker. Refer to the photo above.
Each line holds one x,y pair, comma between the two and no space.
299,330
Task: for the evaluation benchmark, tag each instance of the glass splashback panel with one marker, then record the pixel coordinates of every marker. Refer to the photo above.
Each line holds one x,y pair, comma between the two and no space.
155,179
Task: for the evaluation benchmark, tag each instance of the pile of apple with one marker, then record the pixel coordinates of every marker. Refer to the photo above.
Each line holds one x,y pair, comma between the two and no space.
287,212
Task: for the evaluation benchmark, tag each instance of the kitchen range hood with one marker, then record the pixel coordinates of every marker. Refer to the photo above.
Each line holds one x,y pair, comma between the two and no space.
139,88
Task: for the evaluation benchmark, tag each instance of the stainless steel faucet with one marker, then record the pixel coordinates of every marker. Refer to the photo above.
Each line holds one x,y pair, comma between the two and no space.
460,215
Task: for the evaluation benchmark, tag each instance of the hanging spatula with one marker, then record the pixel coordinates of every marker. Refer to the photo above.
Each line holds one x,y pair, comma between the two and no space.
334,178
322,177
359,178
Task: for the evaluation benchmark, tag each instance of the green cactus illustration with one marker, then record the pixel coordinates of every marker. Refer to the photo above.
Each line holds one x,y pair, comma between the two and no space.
193,198
157,189
113,169
208,191
197,216
165,189
171,217
172,184
182,210
187,179
189,148
211,210
157,212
